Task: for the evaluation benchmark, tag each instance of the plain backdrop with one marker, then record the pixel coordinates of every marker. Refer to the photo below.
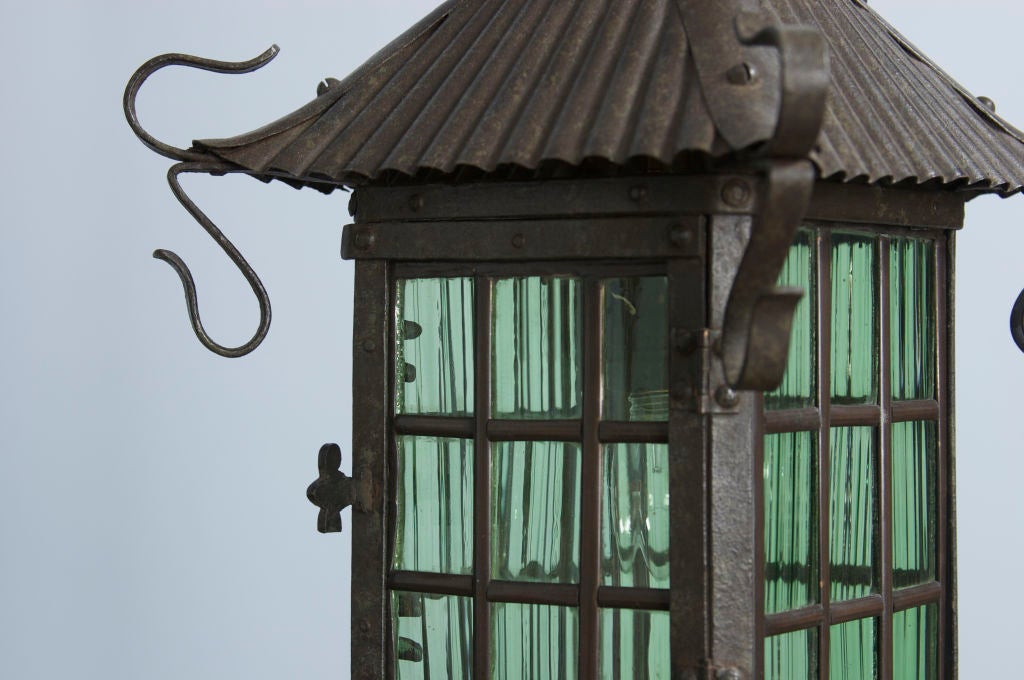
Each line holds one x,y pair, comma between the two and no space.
153,519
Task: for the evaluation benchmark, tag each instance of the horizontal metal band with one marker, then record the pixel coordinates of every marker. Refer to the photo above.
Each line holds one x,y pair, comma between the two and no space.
641,432
441,584
435,426
535,430
516,240
679,195
634,598
797,619
835,202
793,420
563,594
926,593
923,409
849,610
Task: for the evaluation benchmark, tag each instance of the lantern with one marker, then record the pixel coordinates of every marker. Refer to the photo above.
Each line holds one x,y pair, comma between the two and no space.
652,336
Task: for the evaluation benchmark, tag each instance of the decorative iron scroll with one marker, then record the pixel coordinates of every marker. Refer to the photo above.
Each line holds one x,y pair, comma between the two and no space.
759,316
331,491
197,162
1017,321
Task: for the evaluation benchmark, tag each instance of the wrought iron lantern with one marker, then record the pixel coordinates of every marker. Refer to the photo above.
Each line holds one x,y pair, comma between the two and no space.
652,335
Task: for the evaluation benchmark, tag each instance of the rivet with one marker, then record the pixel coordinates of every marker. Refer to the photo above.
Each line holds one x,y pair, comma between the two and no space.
741,74
987,103
364,240
726,396
518,241
728,674
680,236
415,202
365,626
736,193
369,345
637,193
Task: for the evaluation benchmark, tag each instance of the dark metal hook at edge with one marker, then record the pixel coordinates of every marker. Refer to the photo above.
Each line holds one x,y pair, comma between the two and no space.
232,252
1017,321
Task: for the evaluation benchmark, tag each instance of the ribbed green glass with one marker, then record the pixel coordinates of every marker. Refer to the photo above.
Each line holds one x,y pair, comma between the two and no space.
635,644
636,348
914,513
635,516
915,644
797,388
854,320
433,636
791,656
536,368
852,524
434,346
535,525
434,505
852,650
790,521
533,641
912,317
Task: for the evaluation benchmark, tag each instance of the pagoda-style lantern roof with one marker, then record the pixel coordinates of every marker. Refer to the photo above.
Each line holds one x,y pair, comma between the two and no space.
534,89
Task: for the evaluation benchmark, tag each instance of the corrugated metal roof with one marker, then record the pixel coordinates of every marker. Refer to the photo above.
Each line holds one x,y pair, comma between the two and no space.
554,87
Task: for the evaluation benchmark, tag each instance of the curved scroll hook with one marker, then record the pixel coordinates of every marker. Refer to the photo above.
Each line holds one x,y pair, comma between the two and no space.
758,316
1017,321
175,59
232,252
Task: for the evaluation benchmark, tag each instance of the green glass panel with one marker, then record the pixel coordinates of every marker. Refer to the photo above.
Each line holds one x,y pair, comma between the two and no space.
797,388
533,641
433,636
915,644
636,348
434,346
434,514
635,516
854,320
535,527
852,651
914,514
852,526
912,318
536,348
635,644
791,656
790,521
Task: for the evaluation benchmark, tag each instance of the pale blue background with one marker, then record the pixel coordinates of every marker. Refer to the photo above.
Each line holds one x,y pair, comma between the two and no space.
153,522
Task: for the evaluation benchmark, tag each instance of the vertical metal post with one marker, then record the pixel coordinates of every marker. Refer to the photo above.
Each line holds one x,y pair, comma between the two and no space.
482,477
370,620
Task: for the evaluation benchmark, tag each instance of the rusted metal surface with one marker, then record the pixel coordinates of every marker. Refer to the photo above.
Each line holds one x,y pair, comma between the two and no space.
540,88
1017,321
331,491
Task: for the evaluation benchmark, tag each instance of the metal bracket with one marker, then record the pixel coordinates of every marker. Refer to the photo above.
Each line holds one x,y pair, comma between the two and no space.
709,393
331,491
758,316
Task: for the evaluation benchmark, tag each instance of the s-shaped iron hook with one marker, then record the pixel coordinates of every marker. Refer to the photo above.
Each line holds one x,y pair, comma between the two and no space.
195,161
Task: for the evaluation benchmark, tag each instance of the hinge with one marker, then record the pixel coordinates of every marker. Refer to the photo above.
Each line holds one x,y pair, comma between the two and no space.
707,392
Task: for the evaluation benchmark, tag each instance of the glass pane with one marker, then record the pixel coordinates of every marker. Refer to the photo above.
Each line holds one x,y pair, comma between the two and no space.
433,636
915,644
635,644
635,523
434,518
533,641
912,318
792,656
636,349
434,346
798,384
854,322
852,511
537,355
851,651
790,521
535,528
914,515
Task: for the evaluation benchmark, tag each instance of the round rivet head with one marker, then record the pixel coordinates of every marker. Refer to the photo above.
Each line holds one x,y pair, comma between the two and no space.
369,345
987,103
363,240
415,202
680,236
365,626
736,193
741,74
726,397
637,193
518,241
